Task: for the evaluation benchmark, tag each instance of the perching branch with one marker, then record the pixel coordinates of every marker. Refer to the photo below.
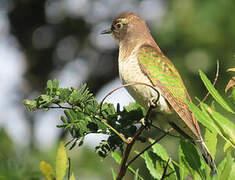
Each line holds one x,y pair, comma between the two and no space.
123,167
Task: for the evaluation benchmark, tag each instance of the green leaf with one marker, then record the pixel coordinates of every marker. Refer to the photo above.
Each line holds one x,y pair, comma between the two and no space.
211,123
153,161
214,92
227,128
161,152
214,121
184,167
47,170
191,156
72,177
30,105
151,166
232,174
64,94
202,117
61,162
227,168
221,166
211,142
136,174
49,86
226,146
114,174
56,84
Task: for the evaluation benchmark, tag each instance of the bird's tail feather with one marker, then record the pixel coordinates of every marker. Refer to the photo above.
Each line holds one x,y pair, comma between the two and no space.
207,156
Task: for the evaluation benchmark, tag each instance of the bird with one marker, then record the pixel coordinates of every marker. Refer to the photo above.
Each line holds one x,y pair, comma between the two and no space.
141,60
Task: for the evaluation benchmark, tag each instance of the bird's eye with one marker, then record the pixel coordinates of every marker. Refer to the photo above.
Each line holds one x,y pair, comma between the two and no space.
119,25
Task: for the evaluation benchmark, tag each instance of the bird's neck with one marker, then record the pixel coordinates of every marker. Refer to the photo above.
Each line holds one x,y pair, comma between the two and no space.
131,44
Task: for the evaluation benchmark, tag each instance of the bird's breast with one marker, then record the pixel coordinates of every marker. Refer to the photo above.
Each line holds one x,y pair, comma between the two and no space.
130,72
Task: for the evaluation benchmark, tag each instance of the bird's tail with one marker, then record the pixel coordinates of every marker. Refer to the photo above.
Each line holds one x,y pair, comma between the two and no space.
207,156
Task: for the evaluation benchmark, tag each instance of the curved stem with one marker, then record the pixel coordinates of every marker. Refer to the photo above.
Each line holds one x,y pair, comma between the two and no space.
126,85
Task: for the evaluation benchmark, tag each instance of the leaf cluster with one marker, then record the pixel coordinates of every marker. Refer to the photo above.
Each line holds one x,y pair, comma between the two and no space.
84,115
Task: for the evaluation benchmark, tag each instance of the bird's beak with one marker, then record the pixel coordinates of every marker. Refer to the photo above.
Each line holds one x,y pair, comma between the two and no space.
107,31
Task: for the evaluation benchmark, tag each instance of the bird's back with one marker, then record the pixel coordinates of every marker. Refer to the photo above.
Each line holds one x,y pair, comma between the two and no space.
163,74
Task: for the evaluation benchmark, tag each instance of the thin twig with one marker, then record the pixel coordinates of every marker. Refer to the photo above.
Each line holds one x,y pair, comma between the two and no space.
165,169
59,107
165,132
215,80
148,147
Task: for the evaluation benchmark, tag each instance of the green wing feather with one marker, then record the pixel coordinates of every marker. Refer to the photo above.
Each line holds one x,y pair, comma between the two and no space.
162,73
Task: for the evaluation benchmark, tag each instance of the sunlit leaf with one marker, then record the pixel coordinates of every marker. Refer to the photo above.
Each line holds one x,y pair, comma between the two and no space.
226,146
151,166
160,151
226,127
211,142
114,174
227,168
202,117
136,174
61,162
72,177
214,92
47,170
221,166
232,174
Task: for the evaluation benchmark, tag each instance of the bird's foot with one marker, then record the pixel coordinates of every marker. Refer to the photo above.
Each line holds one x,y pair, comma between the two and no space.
152,103
146,122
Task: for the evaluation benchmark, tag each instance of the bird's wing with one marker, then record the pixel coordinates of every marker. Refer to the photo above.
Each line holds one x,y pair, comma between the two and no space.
163,74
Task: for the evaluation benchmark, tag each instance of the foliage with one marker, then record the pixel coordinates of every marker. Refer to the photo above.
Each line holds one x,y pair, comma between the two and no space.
61,166
84,115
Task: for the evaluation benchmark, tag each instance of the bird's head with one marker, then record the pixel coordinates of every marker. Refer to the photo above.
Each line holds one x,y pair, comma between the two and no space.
127,25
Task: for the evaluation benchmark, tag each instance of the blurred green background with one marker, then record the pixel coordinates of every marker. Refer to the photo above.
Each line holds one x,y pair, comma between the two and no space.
61,39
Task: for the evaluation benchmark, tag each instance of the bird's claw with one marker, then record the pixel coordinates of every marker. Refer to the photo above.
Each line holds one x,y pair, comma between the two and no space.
146,122
152,103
